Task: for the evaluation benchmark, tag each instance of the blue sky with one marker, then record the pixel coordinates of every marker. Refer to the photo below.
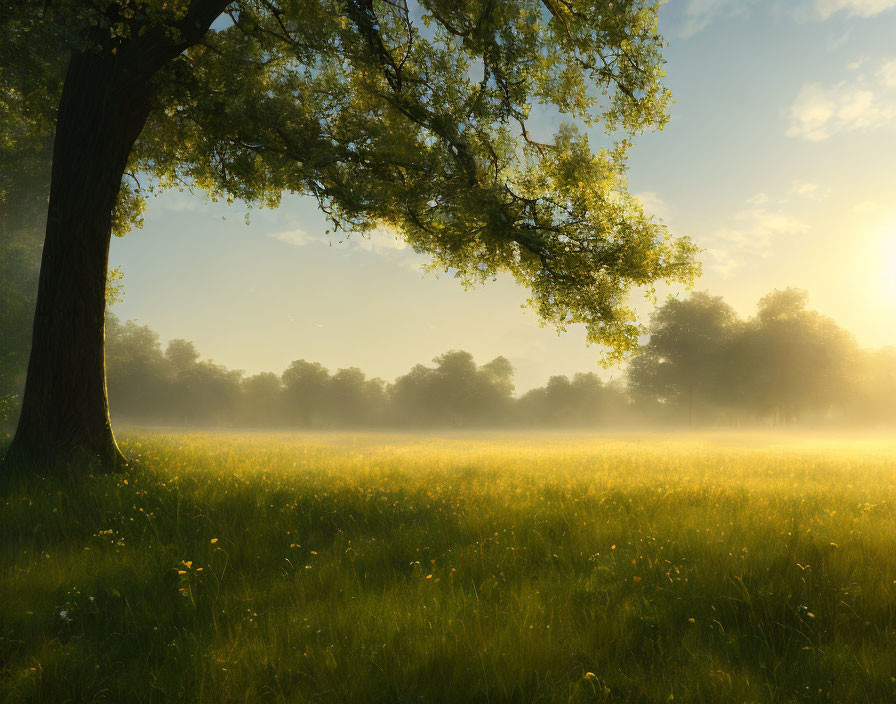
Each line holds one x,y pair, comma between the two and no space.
779,161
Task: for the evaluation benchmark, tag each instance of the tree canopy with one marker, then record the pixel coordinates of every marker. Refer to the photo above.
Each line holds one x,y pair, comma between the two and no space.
413,116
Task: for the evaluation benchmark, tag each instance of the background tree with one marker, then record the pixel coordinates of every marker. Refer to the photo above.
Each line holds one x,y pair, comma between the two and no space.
262,404
454,393
170,388
353,400
791,360
140,380
182,356
581,402
210,394
685,365
306,387
370,106
874,385
497,384
30,85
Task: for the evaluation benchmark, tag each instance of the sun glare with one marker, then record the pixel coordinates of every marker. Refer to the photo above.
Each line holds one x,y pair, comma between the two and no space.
887,264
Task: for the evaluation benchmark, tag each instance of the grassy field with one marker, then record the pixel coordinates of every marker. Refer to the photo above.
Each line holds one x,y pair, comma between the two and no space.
456,568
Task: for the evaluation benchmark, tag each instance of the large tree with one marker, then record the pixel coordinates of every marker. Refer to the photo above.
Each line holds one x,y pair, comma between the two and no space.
411,116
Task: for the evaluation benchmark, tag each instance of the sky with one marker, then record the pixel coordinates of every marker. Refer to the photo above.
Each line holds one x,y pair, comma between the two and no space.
779,161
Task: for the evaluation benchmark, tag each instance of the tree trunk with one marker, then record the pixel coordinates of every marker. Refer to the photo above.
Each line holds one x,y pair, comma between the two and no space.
64,423
106,98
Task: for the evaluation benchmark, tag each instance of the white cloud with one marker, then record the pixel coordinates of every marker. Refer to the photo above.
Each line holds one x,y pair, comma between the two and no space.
818,112
654,205
839,40
296,237
724,262
699,14
866,207
752,232
887,74
806,190
809,190
757,228
179,201
810,114
854,8
759,199
380,239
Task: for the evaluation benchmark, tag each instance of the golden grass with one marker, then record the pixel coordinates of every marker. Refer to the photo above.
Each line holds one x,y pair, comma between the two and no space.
457,567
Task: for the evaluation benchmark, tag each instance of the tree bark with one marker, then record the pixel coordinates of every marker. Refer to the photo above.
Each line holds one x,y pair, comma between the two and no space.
64,421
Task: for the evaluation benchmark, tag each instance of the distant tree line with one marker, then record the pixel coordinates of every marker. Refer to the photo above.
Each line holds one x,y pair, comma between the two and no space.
149,384
701,365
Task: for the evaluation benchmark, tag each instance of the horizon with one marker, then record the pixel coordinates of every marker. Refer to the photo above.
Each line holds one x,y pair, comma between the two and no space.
614,375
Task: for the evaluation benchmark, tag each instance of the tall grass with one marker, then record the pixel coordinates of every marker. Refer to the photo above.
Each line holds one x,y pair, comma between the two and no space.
457,568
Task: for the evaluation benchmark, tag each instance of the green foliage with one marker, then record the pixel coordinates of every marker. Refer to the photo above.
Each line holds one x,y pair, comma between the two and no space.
8,406
412,117
114,287
338,568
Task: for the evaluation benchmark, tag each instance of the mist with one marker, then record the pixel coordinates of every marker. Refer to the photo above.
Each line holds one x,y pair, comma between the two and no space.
701,366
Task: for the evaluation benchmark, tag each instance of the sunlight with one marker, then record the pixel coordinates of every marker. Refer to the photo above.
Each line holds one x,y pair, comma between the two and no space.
886,251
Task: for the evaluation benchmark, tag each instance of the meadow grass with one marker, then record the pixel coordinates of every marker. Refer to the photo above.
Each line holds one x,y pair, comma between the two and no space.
456,568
